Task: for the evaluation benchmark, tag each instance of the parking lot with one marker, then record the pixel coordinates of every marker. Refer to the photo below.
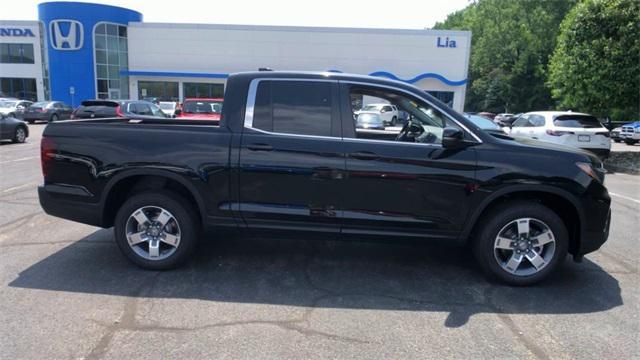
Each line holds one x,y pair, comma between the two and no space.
66,292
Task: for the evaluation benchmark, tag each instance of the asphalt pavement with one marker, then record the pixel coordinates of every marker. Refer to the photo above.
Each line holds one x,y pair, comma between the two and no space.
66,292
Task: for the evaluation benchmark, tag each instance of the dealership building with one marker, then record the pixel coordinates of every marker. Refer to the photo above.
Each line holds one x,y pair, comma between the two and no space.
77,51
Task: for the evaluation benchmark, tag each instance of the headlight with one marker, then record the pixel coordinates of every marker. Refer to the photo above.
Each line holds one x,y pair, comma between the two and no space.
593,172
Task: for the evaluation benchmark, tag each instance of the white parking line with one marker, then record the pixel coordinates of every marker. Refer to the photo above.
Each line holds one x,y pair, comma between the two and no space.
625,197
21,159
18,187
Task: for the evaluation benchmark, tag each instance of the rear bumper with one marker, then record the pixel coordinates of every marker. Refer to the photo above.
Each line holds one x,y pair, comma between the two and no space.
63,205
600,152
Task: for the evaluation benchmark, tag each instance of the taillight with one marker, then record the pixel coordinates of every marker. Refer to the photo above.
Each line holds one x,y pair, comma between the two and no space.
46,155
119,112
604,133
558,133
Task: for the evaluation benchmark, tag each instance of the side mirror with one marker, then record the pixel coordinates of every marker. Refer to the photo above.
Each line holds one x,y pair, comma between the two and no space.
177,112
452,137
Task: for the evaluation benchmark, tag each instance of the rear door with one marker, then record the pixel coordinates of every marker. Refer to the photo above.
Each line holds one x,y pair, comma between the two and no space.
291,164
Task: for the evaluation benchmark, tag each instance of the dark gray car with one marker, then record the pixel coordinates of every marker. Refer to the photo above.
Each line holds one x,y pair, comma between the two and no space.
49,111
13,129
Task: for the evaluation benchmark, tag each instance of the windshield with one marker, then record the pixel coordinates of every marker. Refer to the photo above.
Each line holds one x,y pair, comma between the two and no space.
577,121
202,107
41,104
8,104
483,123
167,106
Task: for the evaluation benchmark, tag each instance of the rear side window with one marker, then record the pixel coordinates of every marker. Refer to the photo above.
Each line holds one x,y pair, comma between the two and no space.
577,121
536,120
96,110
293,107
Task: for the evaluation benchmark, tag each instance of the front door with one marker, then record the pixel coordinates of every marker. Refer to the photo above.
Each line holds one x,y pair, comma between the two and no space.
403,182
291,164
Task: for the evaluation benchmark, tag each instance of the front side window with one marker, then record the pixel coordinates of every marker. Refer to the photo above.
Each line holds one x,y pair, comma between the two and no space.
294,107
419,122
522,121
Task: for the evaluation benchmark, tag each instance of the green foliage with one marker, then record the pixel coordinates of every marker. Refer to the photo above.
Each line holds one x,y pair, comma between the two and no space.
596,65
512,42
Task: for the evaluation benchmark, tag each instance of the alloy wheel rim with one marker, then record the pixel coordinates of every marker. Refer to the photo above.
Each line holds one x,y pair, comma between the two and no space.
153,233
524,246
20,135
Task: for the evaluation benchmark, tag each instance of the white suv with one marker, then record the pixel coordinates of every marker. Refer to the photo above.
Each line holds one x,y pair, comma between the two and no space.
389,113
564,127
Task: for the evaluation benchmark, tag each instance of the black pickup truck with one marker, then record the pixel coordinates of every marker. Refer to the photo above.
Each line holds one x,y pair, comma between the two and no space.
286,158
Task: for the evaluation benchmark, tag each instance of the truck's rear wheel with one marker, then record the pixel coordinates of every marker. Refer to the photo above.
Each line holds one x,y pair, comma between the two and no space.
157,230
520,243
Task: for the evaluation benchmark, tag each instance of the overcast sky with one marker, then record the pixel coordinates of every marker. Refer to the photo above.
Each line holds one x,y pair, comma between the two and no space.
399,14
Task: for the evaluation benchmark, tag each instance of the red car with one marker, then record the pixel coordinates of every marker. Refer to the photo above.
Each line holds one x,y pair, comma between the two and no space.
203,109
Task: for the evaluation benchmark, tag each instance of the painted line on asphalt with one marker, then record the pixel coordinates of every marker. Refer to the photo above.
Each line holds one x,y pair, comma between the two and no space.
21,159
18,187
625,197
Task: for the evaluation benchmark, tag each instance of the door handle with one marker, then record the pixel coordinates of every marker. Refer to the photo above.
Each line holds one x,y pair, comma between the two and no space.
260,147
364,155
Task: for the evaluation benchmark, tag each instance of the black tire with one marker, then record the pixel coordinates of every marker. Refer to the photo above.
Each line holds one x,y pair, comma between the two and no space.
631,142
394,121
185,216
617,140
20,135
492,223
31,121
53,118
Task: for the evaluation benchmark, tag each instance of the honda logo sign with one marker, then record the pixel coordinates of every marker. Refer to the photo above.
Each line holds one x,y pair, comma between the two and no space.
66,34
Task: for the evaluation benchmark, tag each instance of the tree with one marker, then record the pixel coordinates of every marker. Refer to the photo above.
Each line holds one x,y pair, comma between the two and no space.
596,65
512,42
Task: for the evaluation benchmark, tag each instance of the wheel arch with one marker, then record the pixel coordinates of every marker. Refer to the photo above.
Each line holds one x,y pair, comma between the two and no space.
560,201
124,184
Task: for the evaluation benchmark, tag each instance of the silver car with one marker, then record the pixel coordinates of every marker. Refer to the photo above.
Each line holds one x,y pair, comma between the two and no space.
369,121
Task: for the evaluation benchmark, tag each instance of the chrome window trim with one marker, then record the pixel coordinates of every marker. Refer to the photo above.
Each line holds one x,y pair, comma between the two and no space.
251,101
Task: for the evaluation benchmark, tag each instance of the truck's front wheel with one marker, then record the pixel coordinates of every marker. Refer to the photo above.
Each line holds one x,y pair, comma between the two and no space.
520,243
157,230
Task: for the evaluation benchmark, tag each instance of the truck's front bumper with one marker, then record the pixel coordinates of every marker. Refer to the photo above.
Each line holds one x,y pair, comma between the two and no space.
596,206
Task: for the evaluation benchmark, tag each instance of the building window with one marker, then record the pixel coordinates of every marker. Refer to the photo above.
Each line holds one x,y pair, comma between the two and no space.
111,57
203,90
21,88
16,53
161,90
444,96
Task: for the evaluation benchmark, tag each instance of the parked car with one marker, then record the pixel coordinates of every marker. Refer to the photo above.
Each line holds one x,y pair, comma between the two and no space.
615,134
13,129
630,133
565,128
484,123
168,107
90,109
488,115
47,111
14,108
369,120
502,118
203,109
286,158
387,112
